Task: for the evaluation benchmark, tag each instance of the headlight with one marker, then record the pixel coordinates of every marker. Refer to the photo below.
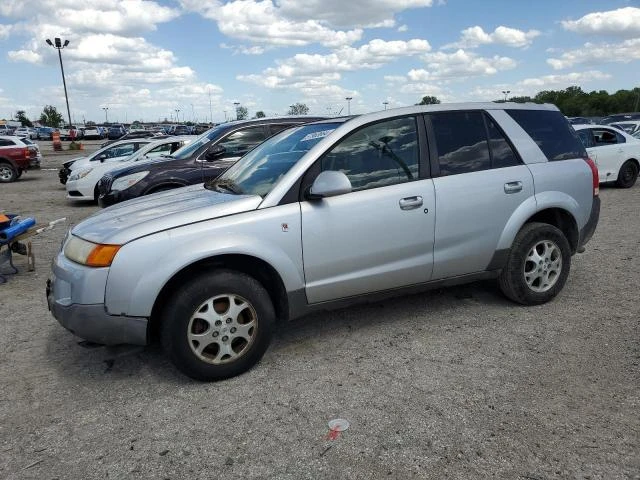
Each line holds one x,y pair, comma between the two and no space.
128,180
80,174
89,253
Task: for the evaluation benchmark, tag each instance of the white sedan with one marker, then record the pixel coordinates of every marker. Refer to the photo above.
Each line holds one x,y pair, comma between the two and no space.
616,153
83,180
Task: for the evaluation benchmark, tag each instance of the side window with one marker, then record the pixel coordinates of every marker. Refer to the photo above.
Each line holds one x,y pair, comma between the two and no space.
551,132
277,128
121,150
502,155
605,136
585,137
461,142
5,143
620,138
164,149
238,143
381,154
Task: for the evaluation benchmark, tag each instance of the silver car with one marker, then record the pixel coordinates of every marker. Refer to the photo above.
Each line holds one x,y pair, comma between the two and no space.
328,214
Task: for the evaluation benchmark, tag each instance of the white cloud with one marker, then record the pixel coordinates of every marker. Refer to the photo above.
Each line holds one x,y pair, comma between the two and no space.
594,54
28,56
262,22
328,67
106,16
403,28
460,65
244,50
623,22
475,36
359,13
4,30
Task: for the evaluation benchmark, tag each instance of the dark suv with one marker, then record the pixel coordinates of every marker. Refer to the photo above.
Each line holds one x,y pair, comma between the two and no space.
203,159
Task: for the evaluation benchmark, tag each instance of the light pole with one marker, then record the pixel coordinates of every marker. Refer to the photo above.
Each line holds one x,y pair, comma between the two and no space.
193,114
58,45
348,99
106,114
506,92
210,109
385,103
177,116
236,104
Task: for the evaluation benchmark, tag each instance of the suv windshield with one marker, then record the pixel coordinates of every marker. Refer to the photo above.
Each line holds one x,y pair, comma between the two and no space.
259,170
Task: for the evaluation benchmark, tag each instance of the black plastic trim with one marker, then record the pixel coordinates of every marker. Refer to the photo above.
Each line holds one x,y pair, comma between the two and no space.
588,230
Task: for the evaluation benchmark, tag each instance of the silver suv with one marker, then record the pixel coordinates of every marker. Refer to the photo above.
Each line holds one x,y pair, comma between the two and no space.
327,214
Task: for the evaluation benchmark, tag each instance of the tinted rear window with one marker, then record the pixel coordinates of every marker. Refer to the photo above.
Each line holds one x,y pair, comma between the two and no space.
551,132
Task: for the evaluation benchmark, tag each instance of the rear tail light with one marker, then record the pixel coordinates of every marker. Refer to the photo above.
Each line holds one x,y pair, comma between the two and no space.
27,154
594,174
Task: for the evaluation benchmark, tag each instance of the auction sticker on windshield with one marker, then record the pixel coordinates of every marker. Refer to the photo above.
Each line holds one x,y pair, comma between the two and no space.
316,135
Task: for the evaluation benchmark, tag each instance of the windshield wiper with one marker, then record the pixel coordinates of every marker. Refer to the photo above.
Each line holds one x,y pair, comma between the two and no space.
223,186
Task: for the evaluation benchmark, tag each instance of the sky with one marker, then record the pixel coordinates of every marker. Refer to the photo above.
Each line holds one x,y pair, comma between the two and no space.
145,59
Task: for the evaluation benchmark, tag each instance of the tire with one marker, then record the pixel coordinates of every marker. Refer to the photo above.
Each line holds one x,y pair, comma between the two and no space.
522,280
19,174
627,175
8,173
202,306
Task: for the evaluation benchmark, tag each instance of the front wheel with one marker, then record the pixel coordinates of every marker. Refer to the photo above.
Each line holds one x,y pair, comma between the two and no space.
627,175
538,265
218,325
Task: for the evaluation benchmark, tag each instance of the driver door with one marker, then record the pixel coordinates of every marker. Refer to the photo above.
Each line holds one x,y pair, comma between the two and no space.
379,236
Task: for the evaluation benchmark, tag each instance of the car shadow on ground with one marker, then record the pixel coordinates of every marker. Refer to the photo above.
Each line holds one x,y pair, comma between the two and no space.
93,363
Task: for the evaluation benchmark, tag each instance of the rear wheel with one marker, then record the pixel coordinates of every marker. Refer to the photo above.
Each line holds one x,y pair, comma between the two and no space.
538,265
8,173
627,175
218,325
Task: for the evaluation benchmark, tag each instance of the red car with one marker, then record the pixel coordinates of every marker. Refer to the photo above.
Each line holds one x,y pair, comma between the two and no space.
15,158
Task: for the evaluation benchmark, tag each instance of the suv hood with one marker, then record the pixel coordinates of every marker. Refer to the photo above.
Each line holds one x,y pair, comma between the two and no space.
149,214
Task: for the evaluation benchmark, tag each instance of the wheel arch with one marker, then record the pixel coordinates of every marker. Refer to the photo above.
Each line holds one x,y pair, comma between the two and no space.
252,266
158,186
561,219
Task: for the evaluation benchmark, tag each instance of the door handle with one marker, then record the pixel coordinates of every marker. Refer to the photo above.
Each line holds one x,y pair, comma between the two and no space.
512,187
409,203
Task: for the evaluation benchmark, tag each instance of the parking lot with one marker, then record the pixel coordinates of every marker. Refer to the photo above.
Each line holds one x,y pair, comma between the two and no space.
454,383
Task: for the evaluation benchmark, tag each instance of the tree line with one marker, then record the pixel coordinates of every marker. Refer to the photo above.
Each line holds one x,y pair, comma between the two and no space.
574,102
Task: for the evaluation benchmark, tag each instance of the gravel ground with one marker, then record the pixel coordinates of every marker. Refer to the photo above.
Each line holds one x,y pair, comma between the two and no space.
455,383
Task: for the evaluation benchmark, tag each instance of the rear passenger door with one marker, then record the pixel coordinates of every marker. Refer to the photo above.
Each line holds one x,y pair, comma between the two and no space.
479,182
608,150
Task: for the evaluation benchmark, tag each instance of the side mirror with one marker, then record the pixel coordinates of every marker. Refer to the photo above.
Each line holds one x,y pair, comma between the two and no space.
102,157
329,184
215,152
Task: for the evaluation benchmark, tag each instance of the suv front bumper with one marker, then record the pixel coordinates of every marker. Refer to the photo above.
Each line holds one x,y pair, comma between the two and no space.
72,296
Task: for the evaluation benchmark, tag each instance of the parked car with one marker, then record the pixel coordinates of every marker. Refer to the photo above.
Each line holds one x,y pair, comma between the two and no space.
115,132
70,132
119,149
37,161
620,117
615,153
6,130
81,184
327,214
135,134
92,133
205,158
44,133
25,132
15,158
630,126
